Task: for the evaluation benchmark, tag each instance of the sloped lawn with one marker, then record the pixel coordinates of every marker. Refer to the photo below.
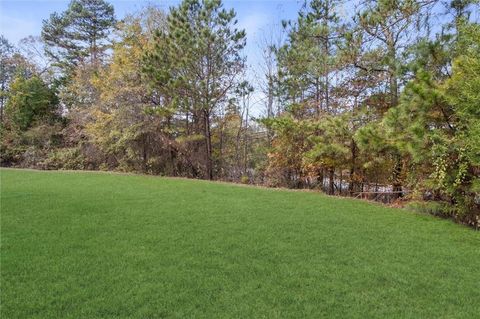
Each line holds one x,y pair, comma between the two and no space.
100,245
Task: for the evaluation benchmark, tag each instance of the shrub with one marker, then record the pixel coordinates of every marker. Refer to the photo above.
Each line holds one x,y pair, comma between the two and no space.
65,158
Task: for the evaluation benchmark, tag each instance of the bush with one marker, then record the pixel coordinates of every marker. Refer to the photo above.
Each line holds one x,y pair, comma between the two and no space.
446,210
65,158
244,179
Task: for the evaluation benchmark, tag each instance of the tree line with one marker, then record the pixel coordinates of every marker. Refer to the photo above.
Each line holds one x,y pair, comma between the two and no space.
379,100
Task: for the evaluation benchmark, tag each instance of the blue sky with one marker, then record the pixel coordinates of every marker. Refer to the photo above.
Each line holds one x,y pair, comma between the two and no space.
21,18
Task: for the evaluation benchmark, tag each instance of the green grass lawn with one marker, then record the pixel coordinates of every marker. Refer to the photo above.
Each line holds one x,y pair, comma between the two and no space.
97,245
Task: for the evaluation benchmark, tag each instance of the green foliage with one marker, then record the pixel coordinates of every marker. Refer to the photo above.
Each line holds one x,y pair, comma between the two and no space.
196,54
78,33
7,70
435,208
195,66
331,144
308,58
65,158
30,100
439,129
244,179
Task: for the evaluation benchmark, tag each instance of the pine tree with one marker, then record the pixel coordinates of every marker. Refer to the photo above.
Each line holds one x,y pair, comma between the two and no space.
308,59
78,34
198,59
306,64
437,124
387,26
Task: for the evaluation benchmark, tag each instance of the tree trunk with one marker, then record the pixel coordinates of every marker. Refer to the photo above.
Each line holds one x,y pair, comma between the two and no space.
320,178
171,149
144,154
245,147
327,55
317,97
340,183
2,101
397,182
208,146
353,149
220,151
331,184
397,170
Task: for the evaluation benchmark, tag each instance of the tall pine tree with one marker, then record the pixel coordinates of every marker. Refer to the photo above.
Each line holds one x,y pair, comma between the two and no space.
79,34
198,60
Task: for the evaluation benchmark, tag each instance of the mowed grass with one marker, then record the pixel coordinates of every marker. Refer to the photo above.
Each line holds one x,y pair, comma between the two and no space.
99,245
